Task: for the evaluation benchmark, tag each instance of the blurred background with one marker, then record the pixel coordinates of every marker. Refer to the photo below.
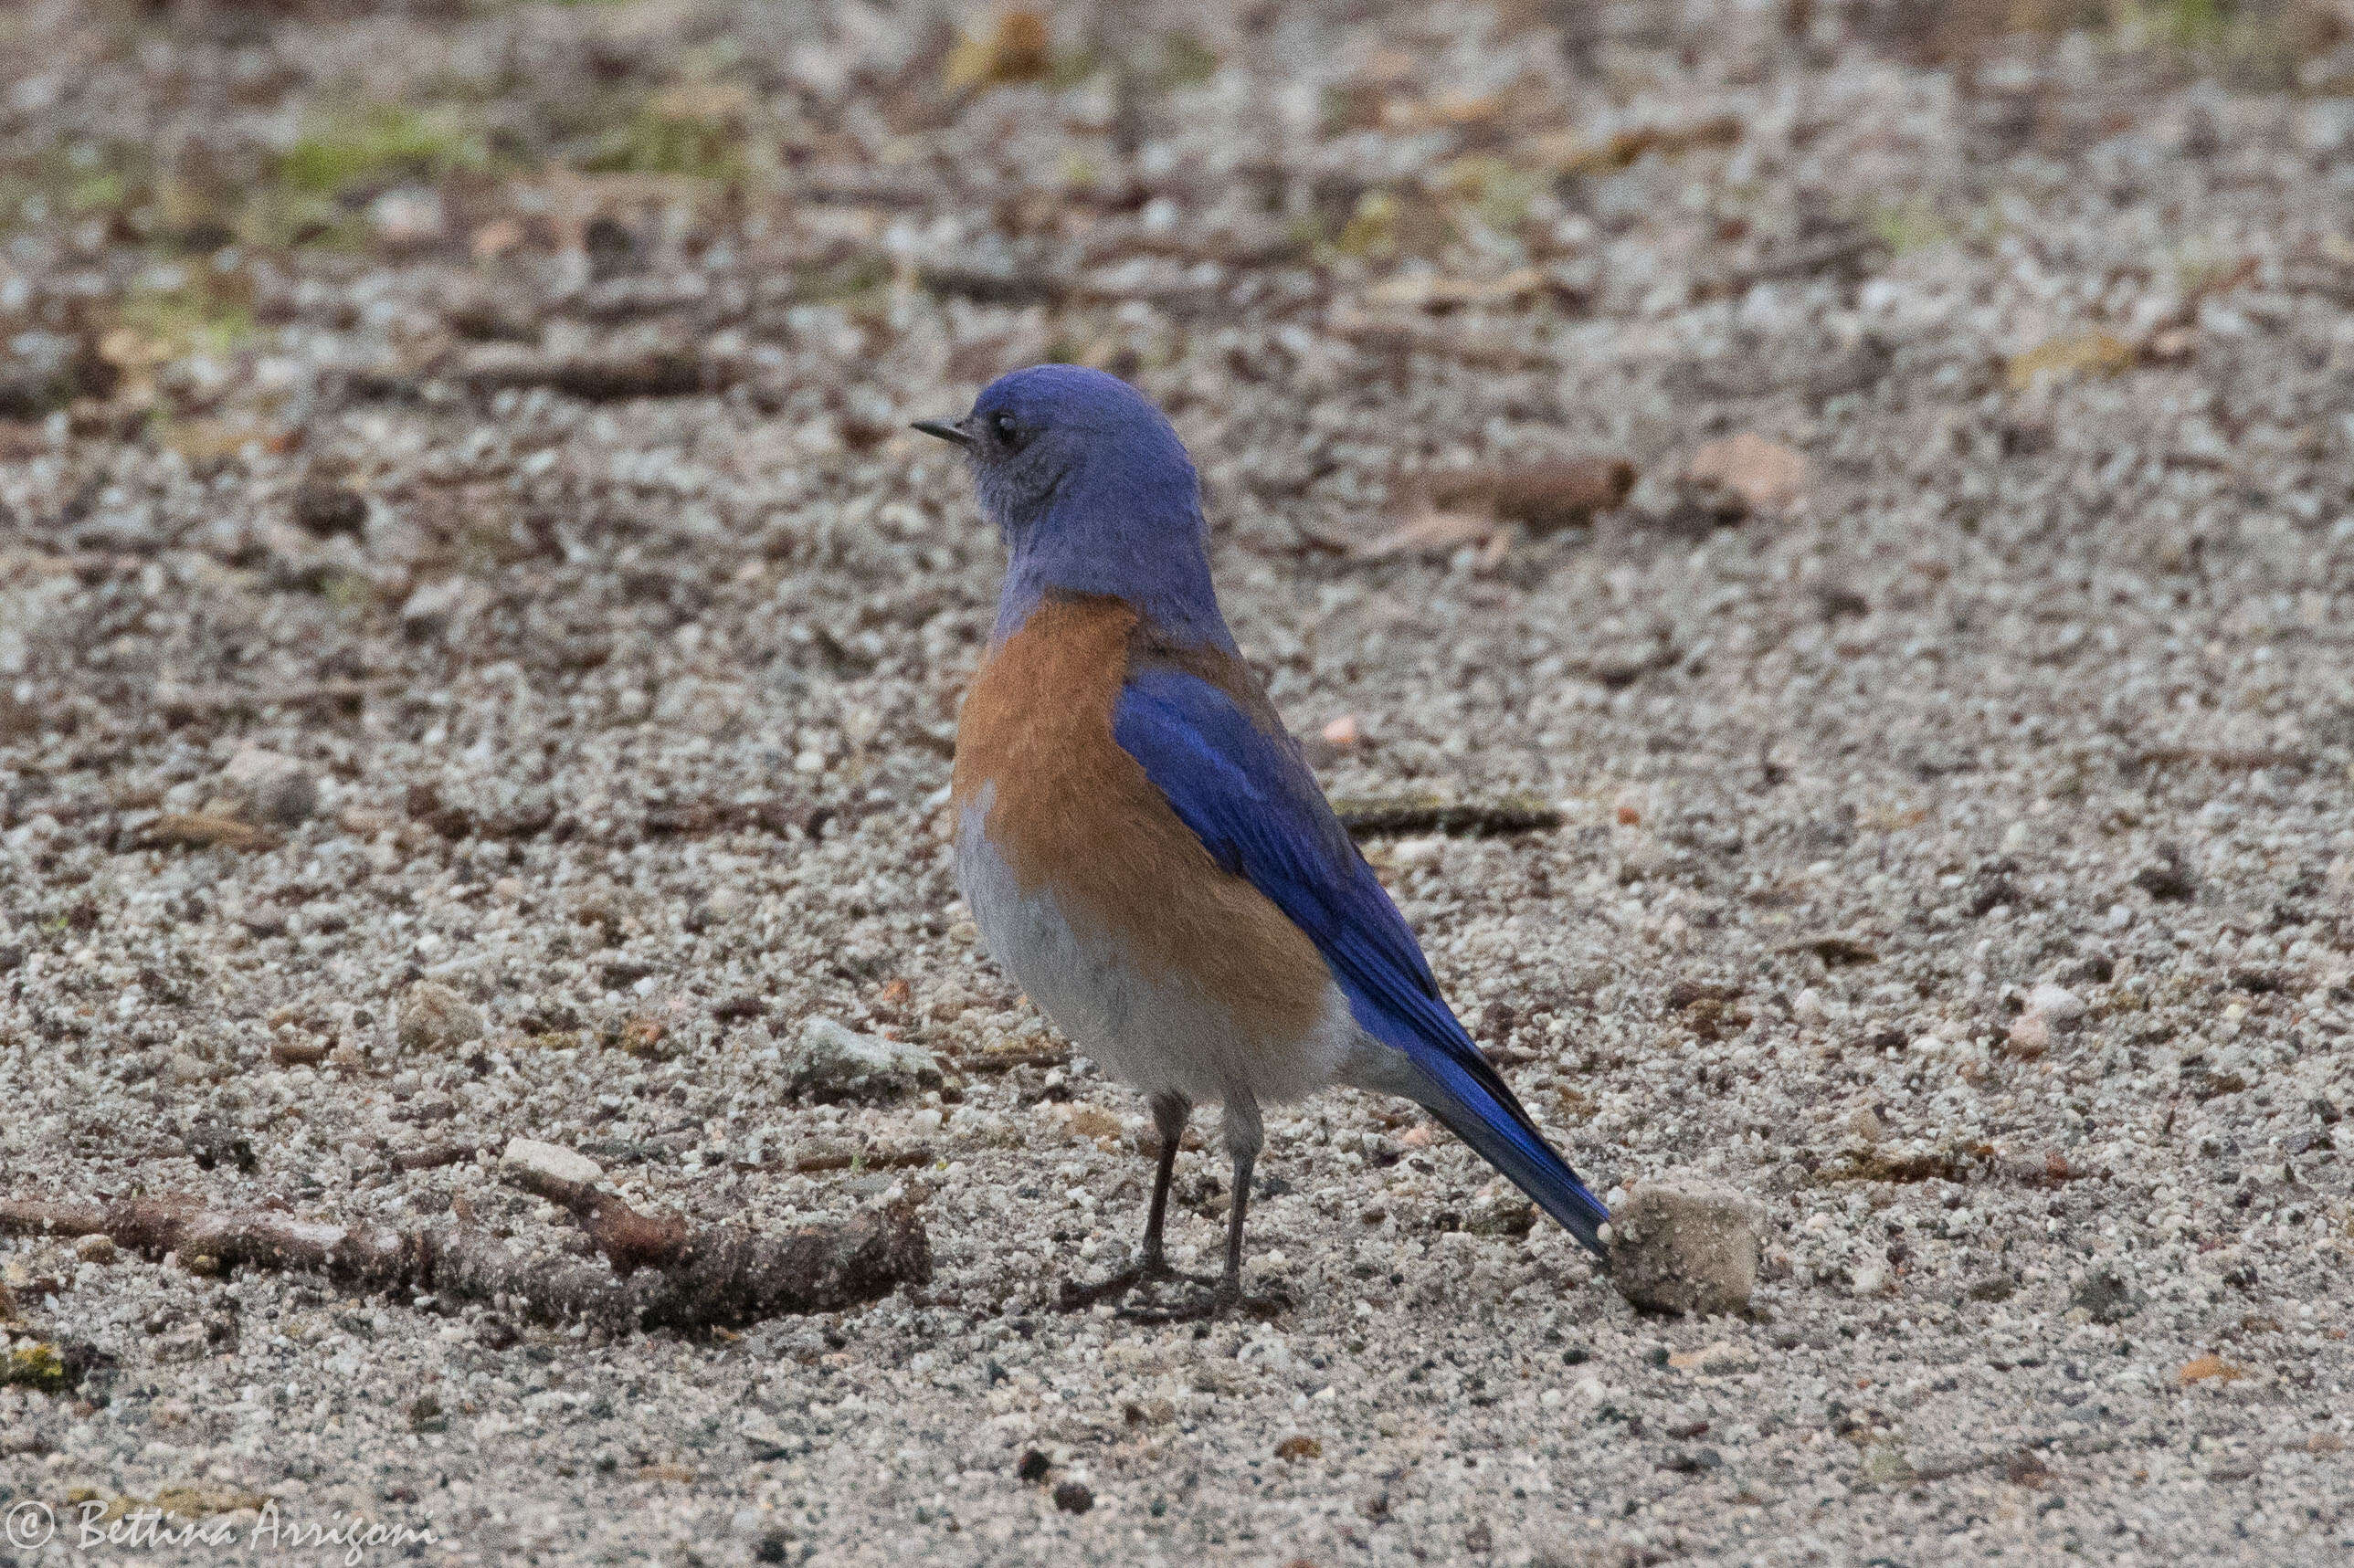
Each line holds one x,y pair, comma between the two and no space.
495,413
227,220
224,218
502,405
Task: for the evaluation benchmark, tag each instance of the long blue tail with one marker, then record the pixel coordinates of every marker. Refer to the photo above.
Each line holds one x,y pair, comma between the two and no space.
1500,1132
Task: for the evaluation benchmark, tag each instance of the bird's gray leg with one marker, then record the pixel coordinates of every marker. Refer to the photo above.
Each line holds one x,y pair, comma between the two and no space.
1244,1136
1170,1112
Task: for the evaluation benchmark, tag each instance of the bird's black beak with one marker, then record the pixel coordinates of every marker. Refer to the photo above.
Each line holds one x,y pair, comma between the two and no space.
946,430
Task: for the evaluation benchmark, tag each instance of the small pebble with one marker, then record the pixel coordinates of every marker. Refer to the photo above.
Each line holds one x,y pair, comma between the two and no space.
266,789
552,1160
435,1018
834,1063
2060,1007
1681,1250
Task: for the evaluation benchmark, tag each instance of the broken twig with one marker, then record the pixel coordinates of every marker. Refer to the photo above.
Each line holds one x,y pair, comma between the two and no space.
664,1273
1466,819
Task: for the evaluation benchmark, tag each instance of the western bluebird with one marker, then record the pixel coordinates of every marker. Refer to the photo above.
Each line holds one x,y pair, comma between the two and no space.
1142,845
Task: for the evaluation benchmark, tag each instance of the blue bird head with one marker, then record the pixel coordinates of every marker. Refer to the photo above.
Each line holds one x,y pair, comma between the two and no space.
1094,494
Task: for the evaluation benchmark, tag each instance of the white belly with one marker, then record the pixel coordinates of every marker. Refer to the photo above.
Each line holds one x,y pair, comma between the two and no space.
1161,1033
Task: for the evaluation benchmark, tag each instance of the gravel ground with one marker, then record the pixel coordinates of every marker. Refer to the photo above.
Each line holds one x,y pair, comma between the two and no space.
457,530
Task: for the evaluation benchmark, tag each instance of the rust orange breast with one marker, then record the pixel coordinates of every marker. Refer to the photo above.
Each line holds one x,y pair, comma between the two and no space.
1076,818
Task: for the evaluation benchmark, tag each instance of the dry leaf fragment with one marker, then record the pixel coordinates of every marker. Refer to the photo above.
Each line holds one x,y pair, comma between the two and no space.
1426,291
1016,48
2026,1468
1544,495
496,238
641,1037
206,440
712,102
1431,532
2210,1365
1568,153
1721,1359
1759,474
594,377
1092,1122
1451,112
203,829
2093,353
1443,513
202,1503
17,718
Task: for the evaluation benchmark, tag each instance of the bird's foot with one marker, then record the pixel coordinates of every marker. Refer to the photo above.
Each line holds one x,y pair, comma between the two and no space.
1208,1299
1073,1296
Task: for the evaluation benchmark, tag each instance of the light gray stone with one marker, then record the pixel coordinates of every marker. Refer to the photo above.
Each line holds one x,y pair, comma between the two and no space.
835,1063
435,1018
264,786
443,608
530,1158
2062,1008
1679,1249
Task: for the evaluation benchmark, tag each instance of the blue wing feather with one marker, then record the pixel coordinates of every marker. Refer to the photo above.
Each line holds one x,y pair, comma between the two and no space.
1249,798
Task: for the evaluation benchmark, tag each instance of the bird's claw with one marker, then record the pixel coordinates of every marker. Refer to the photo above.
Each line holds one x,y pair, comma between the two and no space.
1073,1296
1210,1299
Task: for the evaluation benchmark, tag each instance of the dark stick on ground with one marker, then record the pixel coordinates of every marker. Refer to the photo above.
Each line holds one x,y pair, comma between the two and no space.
663,1273
1469,819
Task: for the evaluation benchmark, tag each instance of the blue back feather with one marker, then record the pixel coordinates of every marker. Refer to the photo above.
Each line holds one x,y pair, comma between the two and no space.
1251,800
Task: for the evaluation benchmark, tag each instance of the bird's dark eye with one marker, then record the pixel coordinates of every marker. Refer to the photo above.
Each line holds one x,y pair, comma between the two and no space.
1001,426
